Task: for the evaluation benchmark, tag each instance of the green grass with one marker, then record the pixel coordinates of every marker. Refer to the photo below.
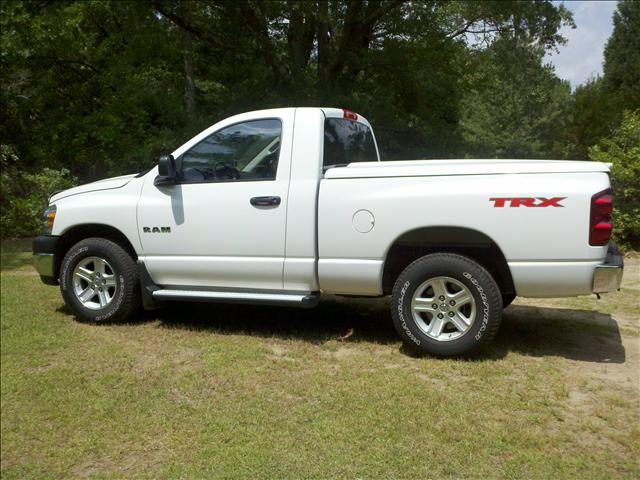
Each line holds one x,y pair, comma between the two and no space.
234,391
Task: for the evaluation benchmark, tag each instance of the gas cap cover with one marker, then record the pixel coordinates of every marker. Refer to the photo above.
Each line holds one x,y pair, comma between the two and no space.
363,221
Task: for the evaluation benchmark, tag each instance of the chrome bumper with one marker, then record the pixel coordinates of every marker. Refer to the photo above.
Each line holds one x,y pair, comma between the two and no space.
44,264
44,248
608,276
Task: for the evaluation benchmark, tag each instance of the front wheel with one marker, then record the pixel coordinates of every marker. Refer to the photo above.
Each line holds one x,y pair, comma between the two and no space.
446,304
99,281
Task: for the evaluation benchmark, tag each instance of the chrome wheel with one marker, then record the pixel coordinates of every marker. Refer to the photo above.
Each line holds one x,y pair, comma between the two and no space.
94,282
443,308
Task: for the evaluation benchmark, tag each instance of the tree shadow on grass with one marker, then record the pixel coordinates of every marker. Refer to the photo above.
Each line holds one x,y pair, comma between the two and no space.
581,335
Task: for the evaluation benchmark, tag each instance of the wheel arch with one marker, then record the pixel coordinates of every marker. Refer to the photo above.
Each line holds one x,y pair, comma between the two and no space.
77,233
471,243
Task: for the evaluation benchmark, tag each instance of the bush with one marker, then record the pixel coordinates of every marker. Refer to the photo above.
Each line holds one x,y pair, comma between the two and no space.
622,149
24,195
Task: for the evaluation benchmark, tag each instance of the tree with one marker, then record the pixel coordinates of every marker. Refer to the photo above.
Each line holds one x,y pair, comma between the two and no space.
91,86
597,106
590,118
101,87
515,106
623,151
622,56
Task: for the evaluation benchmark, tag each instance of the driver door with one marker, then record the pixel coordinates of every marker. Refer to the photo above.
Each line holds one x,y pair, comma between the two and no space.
223,224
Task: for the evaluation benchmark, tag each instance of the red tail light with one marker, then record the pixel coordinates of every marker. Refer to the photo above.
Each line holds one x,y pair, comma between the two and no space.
600,221
349,115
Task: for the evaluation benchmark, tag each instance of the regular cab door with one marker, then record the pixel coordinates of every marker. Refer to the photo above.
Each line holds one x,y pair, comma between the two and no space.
223,224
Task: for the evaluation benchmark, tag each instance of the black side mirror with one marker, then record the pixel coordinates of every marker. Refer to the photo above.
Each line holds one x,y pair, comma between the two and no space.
166,171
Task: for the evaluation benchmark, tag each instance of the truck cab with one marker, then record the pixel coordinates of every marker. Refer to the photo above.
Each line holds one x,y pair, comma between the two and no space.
239,212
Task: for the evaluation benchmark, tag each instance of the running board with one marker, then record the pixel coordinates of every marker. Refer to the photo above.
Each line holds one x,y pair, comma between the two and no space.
305,300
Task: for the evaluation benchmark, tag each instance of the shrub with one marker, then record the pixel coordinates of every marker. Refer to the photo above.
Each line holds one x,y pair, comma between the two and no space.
622,149
24,195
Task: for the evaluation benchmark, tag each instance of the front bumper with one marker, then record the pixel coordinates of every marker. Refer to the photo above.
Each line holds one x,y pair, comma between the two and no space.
44,257
608,276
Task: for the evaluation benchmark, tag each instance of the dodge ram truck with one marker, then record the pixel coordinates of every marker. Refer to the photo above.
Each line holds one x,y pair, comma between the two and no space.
278,206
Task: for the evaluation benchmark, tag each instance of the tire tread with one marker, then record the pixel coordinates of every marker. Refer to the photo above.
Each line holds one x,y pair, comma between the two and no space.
494,293
132,299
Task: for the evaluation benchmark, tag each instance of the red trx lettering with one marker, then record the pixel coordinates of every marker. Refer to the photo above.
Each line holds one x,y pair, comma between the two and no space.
527,201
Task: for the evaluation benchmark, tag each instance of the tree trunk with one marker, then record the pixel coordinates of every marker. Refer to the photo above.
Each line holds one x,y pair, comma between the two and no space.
187,49
323,40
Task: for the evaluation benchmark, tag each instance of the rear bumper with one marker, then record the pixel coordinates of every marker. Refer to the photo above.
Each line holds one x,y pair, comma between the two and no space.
607,277
44,257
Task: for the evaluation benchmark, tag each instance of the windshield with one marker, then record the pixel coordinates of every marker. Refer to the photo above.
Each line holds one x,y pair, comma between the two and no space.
346,141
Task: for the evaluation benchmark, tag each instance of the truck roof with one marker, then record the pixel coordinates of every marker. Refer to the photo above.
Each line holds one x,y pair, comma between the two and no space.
329,112
332,112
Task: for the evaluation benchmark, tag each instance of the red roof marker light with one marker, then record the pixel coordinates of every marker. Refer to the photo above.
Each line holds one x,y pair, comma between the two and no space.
349,115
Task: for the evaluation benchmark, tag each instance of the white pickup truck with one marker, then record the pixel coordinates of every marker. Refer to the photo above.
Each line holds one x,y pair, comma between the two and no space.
276,206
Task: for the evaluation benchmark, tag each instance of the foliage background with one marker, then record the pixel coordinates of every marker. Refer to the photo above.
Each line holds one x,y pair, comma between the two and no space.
97,88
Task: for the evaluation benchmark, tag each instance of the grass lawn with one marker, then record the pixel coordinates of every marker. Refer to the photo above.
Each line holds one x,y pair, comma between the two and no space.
199,391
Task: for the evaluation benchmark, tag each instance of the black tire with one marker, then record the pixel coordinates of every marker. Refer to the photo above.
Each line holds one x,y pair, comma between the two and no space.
507,299
125,300
483,288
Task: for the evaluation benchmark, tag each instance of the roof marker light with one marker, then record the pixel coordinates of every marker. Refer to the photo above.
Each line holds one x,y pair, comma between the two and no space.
349,115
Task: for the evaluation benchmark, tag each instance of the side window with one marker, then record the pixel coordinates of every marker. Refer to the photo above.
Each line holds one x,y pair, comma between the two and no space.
346,141
241,152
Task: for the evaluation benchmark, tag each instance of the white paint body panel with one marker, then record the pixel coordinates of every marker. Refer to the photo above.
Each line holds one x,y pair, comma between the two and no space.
419,168
218,239
106,184
115,207
310,242
553,279
402,204
300,269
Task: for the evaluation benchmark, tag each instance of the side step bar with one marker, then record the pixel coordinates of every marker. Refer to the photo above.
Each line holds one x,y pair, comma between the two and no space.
154,296
305,300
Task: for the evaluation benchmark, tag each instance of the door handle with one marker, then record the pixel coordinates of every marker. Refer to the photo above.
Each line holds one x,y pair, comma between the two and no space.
265,201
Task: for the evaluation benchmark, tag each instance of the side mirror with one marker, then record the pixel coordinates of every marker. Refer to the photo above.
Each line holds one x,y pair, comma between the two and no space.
166,171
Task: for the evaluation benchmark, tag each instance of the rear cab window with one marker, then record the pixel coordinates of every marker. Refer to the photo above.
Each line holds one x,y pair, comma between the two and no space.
347,141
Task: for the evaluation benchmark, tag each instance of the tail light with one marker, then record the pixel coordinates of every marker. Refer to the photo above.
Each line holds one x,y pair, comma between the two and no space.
600,219
349,115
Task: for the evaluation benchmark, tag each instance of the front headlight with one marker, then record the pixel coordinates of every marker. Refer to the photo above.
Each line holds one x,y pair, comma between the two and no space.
49,217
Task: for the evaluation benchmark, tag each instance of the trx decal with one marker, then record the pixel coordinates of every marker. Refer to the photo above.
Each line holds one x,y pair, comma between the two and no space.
527,202
156,229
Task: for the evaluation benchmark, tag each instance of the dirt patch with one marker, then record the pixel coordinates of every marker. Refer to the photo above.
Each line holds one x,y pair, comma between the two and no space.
278,350
27,272
128,459
437,383
617,375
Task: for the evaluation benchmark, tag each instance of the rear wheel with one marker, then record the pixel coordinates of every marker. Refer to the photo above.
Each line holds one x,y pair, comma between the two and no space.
99,281
446,304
